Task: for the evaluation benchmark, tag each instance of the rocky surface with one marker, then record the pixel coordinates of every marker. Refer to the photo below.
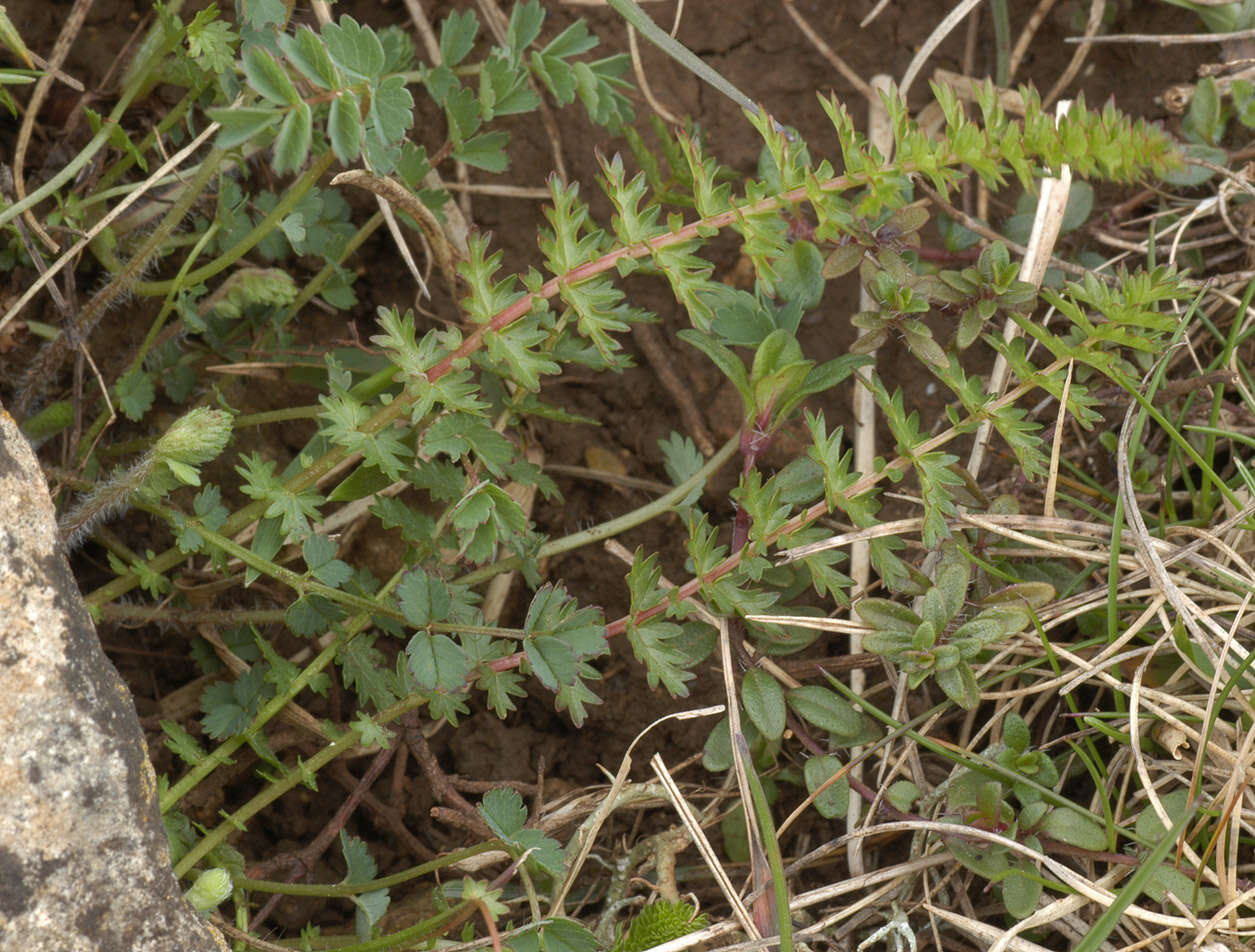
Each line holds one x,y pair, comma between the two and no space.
83,858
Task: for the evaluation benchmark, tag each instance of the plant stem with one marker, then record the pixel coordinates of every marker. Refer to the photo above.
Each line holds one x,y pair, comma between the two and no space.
291,196
96,143
613,527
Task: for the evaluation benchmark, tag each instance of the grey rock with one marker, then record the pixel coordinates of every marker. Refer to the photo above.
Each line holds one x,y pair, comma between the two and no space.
84,863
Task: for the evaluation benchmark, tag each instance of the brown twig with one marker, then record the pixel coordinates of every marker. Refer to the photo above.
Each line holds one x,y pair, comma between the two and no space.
304,860
442,787
397,194
1092,24
651,343
65,39
827,52
391,816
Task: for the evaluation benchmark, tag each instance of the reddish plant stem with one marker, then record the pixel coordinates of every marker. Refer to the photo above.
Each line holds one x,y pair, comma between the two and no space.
553,287
801,520
441,786
388,814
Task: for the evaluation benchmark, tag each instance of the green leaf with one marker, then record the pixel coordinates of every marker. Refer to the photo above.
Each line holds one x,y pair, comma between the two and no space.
319,553
268,78
293,140
392,108
457,36
12,39
362,668
546,856
717,751
723,358
886,615
504,812
239,124
843,260
960,685
1165,879
354,47
1191,176
182,743
437,661
1204,121
361,867
135,394
572,41
424,598
344,126
556,614
658,923
371,734
117,138
294,509
230,706
1033,594
825,709
902,795
1149,826
1074,828
311,615
1080,206
525,22
835,800
306,51
663,662
1015,733
371,907
763,698
485,151
799,275
553,663
1020,894
260,13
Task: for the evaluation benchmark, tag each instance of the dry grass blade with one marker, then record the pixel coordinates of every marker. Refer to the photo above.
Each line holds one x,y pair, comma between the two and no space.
698,835
1047,221
934,40
114,213
587,834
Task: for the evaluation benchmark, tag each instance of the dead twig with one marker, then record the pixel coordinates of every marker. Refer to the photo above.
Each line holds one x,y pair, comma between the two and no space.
652,345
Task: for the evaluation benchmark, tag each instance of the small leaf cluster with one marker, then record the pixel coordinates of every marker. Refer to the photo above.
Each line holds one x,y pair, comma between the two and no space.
506,815
505,86
976,294
944,639
345,69
984,803
767,706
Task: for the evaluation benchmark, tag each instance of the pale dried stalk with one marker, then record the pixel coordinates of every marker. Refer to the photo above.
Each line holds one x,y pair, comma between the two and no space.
1047,221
